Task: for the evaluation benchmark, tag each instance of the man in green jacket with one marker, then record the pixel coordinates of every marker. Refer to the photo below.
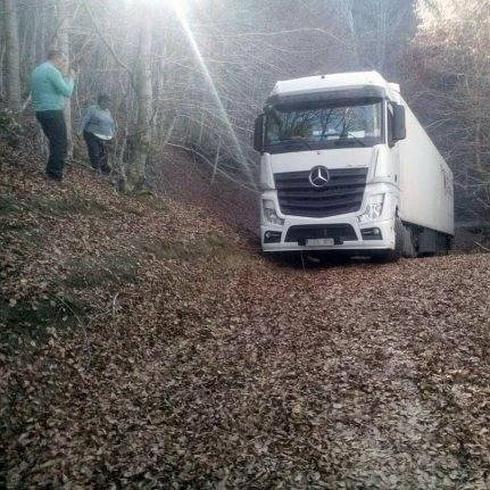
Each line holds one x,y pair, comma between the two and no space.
50,91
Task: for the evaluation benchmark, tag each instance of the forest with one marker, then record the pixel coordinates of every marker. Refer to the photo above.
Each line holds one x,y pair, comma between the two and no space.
196,73
147,338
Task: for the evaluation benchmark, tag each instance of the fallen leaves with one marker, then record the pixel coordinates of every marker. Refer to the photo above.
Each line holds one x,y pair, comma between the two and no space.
162,367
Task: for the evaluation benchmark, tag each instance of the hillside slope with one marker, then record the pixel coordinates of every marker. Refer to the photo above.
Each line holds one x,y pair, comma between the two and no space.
145,344
233,200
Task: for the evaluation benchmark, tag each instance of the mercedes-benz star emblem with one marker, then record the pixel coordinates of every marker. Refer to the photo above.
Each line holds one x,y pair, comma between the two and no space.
319,177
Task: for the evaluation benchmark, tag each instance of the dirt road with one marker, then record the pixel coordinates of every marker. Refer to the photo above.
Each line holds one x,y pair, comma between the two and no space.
144,345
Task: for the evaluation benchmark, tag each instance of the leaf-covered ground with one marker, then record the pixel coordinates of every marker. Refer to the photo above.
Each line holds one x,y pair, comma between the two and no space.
144,344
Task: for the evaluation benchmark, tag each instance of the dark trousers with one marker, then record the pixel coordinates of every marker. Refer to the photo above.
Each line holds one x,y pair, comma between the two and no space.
97,152
54,127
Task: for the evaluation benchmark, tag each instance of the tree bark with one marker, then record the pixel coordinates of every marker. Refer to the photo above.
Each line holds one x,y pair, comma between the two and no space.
63,43
14,99
135,175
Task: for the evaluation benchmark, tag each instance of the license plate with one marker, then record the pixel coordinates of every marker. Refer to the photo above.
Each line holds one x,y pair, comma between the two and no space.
318,242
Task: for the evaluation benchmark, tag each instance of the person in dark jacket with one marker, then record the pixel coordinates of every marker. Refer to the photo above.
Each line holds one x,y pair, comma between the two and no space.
50,91
98,128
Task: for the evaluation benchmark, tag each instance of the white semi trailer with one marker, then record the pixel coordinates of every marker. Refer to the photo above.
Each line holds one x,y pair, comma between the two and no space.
346,166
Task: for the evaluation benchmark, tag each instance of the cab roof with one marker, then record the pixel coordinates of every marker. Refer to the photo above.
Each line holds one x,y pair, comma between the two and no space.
371,81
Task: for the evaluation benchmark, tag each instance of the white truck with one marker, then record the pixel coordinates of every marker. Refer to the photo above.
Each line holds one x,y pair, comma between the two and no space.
346,166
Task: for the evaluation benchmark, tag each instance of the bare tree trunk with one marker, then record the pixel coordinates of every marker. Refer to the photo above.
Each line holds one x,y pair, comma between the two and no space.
12,55
63,43
346,6
216,161
135,176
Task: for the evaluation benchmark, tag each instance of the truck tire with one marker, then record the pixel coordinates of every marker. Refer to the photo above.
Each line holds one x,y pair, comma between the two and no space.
404,240
404,244
443,244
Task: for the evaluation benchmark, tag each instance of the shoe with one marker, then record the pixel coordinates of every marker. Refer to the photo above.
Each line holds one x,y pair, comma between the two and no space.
54,178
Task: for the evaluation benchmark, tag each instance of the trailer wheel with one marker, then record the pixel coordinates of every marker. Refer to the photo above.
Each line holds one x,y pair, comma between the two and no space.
443,244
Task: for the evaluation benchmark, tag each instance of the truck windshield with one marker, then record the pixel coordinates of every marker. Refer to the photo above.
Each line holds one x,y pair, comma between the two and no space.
323,125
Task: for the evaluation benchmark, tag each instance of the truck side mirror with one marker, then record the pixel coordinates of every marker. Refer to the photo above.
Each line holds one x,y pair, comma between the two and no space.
399,123
259,133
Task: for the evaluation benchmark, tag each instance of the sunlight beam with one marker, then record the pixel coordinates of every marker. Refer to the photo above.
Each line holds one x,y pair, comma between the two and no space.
180,7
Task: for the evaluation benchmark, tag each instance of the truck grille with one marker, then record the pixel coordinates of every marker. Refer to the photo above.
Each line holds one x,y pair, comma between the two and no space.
342,193
339,232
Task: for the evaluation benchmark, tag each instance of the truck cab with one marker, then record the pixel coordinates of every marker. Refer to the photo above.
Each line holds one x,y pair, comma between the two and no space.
330,171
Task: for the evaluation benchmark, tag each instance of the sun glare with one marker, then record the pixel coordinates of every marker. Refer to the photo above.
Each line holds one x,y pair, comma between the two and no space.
181,8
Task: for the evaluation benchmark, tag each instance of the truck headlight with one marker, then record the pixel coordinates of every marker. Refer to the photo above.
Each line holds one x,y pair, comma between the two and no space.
270,214
374,208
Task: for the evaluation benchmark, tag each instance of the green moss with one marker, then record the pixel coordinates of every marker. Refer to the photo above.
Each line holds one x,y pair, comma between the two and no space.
207,246
25,322
9,205
20,238
152,201
64,206
113,269
16,227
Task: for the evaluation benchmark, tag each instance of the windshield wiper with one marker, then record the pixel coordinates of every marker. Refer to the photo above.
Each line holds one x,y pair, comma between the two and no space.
344,137
293,140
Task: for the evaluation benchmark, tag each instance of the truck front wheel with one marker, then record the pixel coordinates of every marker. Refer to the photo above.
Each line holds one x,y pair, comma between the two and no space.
404,244
404,240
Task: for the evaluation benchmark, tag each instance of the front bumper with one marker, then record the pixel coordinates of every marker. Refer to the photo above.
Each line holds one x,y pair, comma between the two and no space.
351,241
386,227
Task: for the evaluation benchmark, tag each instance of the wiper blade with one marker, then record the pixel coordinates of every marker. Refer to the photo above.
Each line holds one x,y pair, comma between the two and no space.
299,140
344,139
